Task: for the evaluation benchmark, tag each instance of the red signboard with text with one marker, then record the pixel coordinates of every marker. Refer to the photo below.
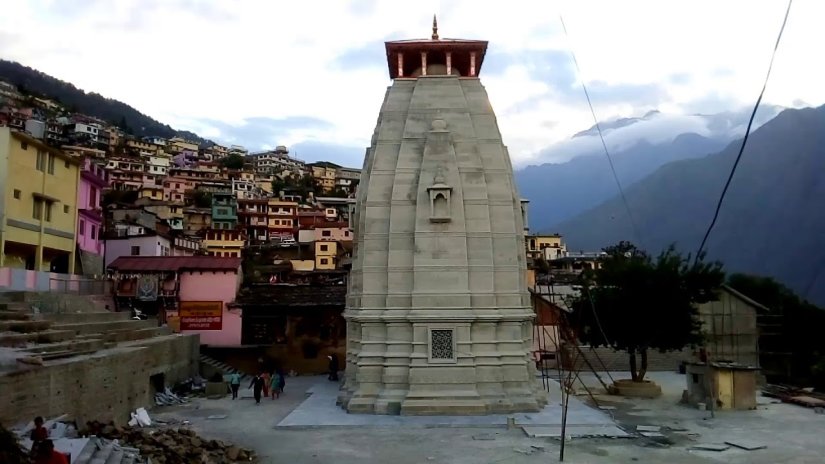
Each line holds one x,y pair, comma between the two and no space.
201,315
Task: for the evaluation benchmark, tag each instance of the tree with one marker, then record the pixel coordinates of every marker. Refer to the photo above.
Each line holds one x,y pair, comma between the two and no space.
232,161
201,199
634,303
337,192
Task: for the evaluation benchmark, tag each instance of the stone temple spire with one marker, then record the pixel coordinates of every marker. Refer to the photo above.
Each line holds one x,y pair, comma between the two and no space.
439,319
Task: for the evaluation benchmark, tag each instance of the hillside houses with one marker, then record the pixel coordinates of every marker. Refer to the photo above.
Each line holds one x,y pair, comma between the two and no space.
156,196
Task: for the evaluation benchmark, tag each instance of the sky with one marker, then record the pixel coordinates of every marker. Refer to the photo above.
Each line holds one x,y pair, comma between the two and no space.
312,74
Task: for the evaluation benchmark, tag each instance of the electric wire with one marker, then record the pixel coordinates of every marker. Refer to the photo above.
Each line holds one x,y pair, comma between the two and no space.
744,139
636,233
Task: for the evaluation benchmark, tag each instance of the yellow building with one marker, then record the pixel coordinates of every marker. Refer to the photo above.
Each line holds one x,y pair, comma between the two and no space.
151,192
324,174
326,255
80,152
178,144
38,204
141,148
226,243
548,247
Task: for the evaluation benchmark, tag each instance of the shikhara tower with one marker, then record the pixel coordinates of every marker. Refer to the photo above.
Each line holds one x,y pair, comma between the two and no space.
438,314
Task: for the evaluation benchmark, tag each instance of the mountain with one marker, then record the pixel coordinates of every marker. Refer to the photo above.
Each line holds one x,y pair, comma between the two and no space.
638,146
771,222
560,191
617,124
34,82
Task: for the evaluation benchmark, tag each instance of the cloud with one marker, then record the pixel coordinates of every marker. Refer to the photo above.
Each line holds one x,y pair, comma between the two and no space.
260,133
313,150
248,69
370,55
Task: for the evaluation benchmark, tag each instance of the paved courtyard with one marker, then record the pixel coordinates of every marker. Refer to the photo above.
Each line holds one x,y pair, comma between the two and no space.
304,426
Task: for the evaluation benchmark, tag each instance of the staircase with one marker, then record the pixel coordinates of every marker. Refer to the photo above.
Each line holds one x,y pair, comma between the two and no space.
102,451
58,335
224,368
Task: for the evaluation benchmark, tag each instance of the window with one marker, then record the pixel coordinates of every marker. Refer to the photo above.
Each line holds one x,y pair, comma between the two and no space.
16,194
94,232
442,345
326,233
51,163
41,160
37,211
48,211
135,251
65,209
82,227
93,197
24,145
324,261
324,247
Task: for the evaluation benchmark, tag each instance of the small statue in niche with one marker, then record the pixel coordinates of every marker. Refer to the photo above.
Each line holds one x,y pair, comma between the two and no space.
439,197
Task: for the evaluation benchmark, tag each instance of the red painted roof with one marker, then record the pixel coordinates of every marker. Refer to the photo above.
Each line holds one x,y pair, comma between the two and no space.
175,263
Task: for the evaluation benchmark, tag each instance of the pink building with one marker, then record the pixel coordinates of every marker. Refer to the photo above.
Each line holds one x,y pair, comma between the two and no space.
194,293
93,179
174,188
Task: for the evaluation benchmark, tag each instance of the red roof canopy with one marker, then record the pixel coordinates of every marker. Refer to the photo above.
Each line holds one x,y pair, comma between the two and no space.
174,263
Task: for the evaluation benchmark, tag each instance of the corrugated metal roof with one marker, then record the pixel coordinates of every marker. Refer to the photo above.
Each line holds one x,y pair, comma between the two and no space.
174,263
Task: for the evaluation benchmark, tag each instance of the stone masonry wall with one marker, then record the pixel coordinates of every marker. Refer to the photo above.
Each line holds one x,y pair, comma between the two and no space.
106,385
619,360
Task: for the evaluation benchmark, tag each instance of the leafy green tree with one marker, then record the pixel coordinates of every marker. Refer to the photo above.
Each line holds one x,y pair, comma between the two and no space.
337,192
233,161
201,199
635,303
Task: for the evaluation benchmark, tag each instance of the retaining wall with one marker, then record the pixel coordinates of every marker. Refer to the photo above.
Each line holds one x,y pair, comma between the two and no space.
106,385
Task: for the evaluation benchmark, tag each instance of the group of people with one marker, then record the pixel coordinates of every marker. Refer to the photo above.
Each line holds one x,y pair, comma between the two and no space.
263,383
266,384
43,451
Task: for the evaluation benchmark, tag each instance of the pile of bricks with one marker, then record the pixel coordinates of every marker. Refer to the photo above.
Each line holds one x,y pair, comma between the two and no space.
171,446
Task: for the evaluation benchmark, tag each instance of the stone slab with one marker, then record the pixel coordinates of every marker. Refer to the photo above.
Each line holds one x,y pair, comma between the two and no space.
320,409
747,445
711,447
576,431
648,428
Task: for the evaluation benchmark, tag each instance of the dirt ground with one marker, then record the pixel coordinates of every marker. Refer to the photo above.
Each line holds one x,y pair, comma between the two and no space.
790,434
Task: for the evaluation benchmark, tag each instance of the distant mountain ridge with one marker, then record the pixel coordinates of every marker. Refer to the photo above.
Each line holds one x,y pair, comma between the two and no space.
771,222
638,146
91,104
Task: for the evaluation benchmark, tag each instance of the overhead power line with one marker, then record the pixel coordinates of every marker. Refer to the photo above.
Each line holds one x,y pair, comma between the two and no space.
745,138
636,233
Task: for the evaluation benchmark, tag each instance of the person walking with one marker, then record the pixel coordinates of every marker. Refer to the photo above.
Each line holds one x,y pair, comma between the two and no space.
278,382
267,380
235,384
333,367
257,386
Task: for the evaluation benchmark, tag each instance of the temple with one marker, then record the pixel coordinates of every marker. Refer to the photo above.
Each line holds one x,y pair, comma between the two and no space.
438,316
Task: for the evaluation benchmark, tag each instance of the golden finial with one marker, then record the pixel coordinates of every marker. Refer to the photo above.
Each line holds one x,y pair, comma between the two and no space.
435,28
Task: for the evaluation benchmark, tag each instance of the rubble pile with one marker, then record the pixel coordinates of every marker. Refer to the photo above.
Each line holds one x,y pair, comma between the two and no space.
171,446
167,398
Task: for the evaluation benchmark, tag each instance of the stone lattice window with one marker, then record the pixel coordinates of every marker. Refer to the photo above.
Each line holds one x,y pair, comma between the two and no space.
442,346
